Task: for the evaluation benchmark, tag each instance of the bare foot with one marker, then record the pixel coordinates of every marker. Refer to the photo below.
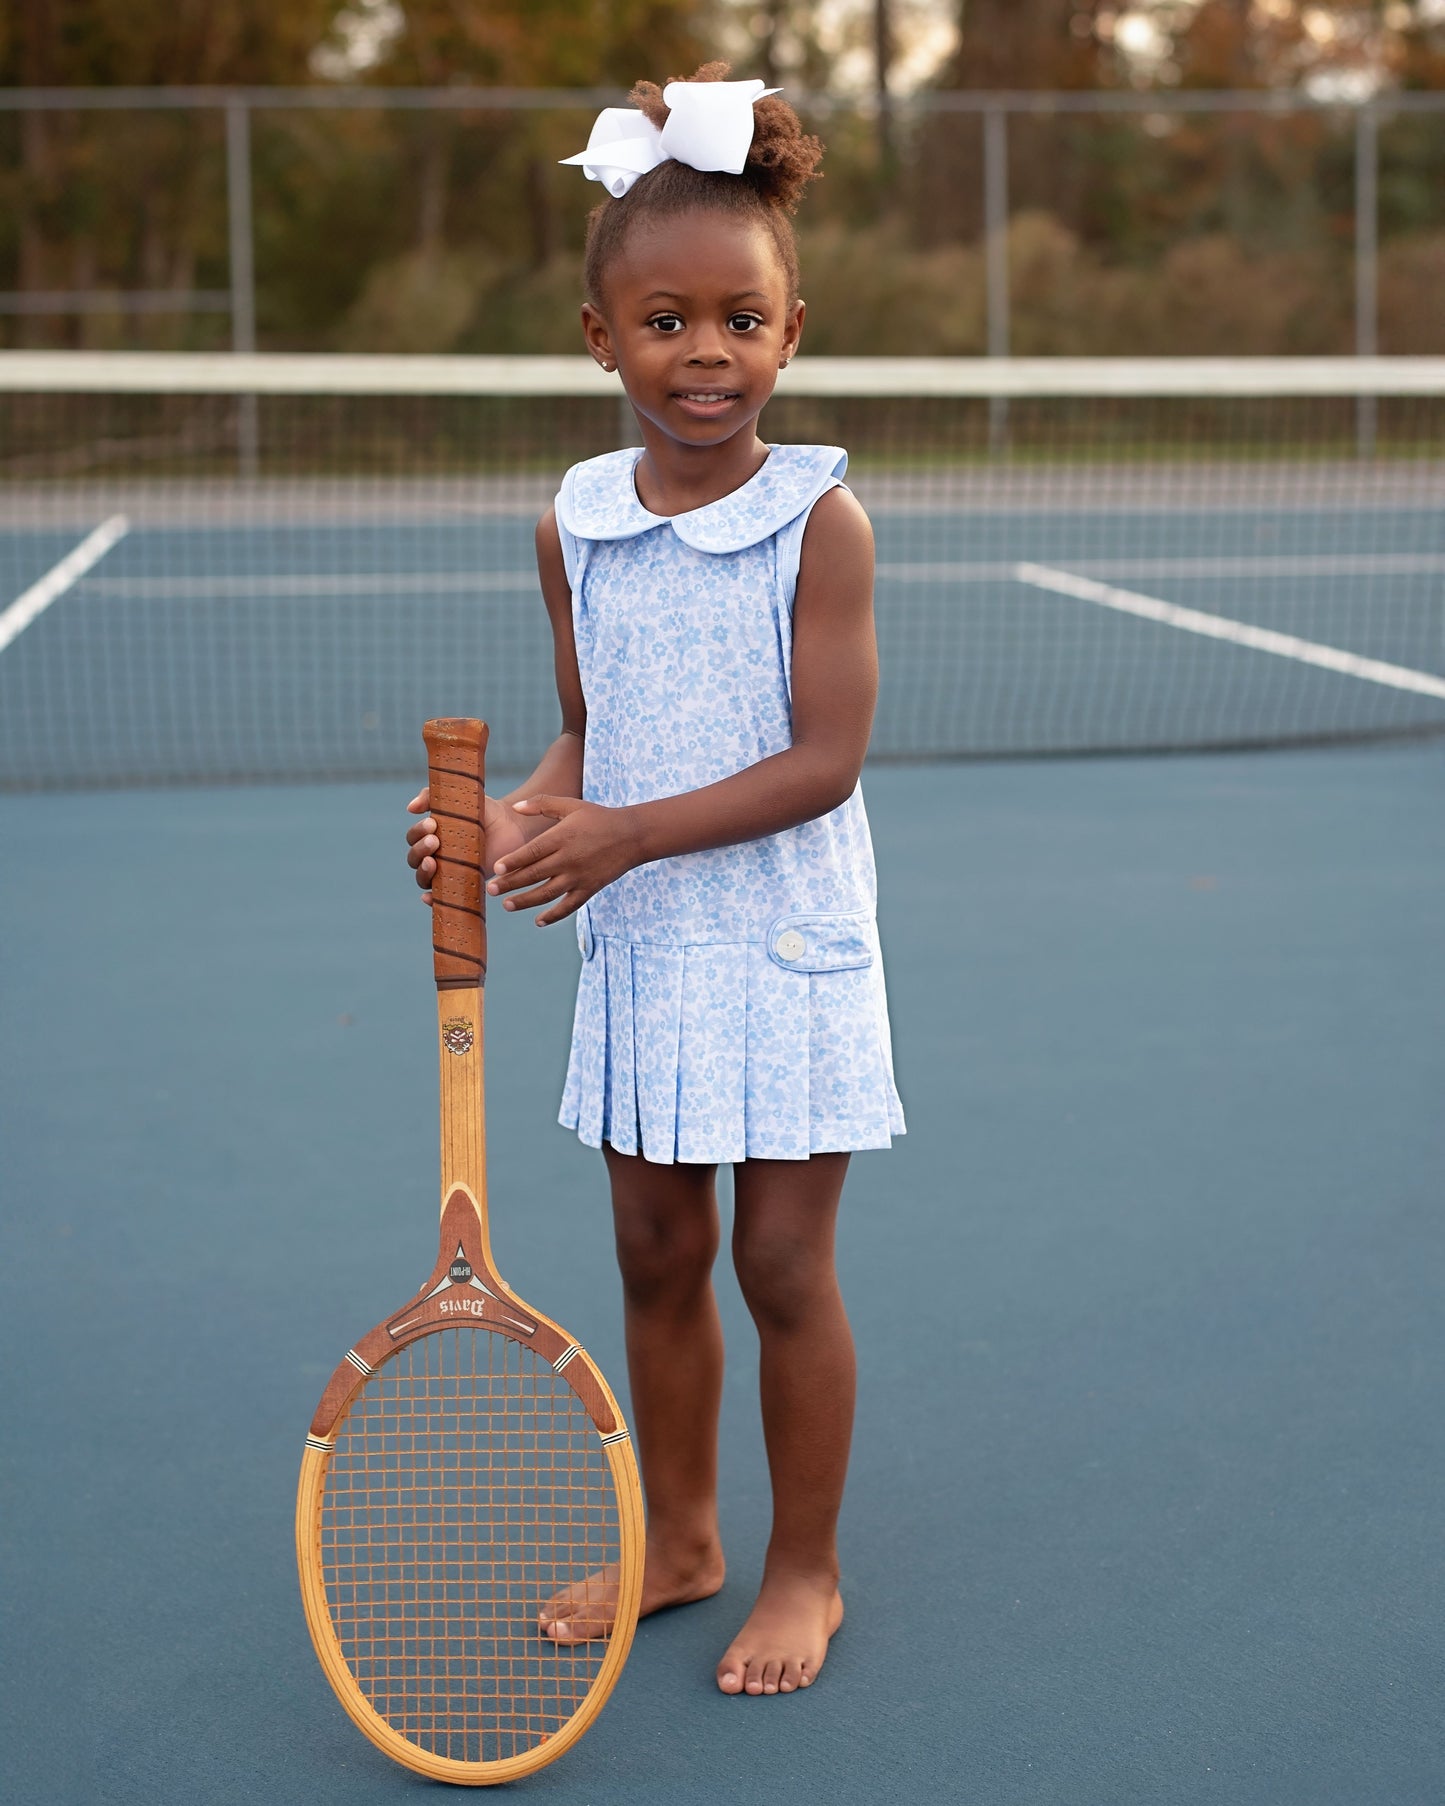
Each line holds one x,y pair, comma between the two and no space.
784,1642
586,1612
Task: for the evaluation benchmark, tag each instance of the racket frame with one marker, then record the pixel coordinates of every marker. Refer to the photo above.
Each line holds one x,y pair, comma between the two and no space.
464,1289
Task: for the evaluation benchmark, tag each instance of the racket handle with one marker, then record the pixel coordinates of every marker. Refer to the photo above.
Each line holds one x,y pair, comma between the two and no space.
456,754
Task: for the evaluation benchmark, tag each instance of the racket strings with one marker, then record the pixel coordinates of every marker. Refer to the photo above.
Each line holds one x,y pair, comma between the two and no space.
468,1487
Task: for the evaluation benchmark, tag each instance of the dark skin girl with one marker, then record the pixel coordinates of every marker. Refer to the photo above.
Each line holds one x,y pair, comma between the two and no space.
697,318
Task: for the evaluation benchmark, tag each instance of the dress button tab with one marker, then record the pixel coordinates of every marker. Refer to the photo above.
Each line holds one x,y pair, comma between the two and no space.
791,945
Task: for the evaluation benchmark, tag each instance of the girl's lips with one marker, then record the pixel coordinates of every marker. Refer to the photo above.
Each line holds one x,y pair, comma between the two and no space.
703,403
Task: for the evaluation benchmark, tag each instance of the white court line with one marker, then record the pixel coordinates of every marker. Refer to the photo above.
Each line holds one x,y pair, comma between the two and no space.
961,571
61,577
441,583
343,583
1238,633
1324,564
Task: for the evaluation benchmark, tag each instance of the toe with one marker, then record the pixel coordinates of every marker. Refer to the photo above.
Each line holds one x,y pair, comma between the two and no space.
772,1674
753,1680
791,1677
730,1674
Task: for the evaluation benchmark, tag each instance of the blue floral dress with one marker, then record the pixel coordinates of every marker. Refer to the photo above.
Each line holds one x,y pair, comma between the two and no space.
731,1002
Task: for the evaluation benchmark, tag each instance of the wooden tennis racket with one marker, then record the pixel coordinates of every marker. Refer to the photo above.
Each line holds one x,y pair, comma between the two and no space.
467,1461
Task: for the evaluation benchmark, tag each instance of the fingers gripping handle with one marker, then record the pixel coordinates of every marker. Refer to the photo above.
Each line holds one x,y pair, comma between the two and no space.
456,754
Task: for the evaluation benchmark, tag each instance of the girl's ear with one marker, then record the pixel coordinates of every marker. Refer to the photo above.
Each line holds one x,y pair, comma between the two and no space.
598,337
792,333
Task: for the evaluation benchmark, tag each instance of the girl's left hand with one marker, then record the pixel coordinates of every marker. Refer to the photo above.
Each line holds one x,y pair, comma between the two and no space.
565,865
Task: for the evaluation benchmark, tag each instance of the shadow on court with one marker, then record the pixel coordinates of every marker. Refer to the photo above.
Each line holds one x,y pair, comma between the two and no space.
1146,1494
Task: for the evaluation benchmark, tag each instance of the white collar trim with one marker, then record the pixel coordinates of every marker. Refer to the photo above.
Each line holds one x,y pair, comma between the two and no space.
598,499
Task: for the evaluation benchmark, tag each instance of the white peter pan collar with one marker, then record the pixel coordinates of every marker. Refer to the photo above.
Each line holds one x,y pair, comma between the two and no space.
598,499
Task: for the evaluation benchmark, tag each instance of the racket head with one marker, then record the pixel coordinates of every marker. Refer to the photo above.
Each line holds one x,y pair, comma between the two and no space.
467,1463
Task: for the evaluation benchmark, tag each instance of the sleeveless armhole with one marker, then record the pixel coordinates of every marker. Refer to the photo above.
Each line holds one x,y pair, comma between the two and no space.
790,544
571,556
572,549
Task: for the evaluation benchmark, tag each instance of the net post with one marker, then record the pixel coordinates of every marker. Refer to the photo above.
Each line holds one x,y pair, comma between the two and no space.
995,241
884,39
1367,259
241,244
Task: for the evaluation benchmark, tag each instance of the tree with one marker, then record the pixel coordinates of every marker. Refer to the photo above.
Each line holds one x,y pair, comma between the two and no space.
113,200
132,200
525,44
1028,44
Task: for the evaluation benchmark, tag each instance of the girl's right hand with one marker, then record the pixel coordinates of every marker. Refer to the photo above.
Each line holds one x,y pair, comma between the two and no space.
503,831
422,842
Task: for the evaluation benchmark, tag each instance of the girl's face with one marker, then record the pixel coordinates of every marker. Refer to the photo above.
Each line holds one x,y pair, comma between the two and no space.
698,322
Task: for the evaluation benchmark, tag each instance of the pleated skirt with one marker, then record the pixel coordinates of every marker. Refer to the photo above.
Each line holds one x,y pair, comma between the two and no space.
716,1053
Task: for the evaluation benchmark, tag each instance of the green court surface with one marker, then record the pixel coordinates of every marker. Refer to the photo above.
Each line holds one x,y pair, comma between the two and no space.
1146,1496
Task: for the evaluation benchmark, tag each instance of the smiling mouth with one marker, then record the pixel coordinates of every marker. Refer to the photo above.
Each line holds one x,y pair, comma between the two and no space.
705,395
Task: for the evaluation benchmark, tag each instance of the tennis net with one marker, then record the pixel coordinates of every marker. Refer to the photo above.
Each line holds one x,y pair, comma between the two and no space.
259,568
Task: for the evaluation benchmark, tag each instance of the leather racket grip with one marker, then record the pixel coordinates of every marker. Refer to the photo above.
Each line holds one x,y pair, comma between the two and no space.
456,757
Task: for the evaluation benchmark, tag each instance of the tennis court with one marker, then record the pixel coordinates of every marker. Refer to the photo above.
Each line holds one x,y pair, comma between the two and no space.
227,651
1144,1497
207,584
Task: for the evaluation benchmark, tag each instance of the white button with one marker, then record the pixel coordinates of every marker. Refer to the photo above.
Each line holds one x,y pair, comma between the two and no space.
791,945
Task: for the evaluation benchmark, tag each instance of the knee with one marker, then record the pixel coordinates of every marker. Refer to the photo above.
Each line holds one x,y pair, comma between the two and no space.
783,1278
664,1255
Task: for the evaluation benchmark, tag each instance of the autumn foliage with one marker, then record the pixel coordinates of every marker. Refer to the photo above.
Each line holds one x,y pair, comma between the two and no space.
417,230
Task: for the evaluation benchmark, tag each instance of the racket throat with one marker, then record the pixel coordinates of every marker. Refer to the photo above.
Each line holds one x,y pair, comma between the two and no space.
463,1112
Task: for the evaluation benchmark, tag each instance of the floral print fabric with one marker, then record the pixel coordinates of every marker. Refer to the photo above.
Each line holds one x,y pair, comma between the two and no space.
708,1027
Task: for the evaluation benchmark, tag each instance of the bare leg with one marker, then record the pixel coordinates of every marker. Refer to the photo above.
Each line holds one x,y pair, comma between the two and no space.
783,1251
667,1236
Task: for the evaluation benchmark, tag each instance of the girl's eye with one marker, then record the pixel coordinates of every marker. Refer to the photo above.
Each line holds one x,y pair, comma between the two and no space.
666,322
745,322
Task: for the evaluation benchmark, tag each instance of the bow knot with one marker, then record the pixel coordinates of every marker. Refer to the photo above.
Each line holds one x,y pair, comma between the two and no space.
709,126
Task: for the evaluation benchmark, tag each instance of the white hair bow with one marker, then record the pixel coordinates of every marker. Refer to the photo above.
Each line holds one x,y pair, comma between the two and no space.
709,126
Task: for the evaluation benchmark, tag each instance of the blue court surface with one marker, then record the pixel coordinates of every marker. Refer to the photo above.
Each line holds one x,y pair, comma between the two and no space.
1146,1497
307,632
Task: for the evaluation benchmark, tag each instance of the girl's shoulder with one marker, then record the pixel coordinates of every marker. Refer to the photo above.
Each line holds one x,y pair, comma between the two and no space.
598,499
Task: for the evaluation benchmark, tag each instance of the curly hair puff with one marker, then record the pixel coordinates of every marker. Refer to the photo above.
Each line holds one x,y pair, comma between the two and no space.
782,160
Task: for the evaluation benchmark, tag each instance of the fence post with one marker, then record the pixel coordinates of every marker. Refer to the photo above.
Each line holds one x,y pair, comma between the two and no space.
995,243
243,268
1367,265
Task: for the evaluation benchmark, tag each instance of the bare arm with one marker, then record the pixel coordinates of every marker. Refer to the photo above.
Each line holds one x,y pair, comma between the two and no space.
835,683
559,770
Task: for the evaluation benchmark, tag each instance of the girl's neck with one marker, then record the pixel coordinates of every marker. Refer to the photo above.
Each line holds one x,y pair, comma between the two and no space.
672,478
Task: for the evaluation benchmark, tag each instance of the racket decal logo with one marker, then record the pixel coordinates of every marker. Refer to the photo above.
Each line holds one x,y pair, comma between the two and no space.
460,1270
470,1307
457,1035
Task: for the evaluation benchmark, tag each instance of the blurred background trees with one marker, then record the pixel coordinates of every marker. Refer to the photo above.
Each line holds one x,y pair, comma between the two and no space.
427,230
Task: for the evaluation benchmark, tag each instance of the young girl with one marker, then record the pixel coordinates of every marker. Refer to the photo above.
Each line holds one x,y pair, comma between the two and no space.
711,607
